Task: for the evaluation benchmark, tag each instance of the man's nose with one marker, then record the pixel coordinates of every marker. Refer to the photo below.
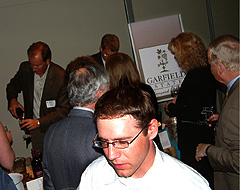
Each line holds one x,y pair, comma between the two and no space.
34,69
112,152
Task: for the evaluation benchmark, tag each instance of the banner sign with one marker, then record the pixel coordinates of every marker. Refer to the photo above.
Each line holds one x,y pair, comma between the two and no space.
161,70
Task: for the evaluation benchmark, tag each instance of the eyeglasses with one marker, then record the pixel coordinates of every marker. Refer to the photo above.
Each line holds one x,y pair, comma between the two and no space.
117,144
38,66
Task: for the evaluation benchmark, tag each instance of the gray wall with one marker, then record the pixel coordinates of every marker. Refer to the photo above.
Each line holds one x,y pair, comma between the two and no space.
74,28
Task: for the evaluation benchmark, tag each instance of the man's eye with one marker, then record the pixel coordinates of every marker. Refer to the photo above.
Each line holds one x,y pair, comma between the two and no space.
122,142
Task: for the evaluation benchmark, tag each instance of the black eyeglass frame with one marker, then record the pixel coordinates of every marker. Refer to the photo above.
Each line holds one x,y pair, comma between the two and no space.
113,143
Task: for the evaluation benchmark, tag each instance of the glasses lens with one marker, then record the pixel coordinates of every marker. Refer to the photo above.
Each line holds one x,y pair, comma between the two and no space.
98,144
121,144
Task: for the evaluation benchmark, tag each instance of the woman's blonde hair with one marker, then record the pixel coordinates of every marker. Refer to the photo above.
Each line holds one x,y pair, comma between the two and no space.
189,51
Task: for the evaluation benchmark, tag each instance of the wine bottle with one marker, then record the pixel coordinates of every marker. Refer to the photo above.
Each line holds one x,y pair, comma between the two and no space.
20,114
36,165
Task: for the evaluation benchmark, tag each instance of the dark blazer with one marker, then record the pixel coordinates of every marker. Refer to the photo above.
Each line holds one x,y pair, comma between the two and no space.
54,89
68,150
98,58
224,156
197,91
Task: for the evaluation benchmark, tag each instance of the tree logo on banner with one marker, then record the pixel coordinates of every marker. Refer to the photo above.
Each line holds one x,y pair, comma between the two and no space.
163,59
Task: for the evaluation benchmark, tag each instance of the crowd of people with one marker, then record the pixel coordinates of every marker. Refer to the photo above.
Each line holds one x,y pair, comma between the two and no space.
96,124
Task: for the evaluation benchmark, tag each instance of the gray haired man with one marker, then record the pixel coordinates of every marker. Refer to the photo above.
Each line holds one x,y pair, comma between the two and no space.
67,144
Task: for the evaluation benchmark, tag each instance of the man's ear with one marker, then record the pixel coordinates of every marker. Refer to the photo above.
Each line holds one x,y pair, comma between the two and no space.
48,61
153,129
100,92
220,67
100,48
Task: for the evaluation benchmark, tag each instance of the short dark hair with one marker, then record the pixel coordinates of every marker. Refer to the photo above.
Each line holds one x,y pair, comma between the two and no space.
84,83
110,41
122,101
40,46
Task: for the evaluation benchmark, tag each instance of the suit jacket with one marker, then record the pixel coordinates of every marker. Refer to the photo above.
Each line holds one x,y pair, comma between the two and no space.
98,58
224,156
54,89
68,150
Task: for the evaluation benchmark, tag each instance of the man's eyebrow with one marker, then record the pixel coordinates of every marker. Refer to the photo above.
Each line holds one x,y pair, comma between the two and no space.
117,139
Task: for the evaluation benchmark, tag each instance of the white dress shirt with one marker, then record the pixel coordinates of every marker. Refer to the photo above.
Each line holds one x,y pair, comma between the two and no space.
165,173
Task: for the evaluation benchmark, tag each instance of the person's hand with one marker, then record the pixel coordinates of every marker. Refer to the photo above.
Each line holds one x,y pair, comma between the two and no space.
174,99
14,104
213,119
9,136
166,106
201,151
30,124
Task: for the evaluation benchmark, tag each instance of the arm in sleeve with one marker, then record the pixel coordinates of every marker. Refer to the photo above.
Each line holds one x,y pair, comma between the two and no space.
227,158
15,85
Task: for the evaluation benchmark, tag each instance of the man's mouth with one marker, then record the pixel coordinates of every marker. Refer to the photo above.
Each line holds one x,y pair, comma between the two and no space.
119,166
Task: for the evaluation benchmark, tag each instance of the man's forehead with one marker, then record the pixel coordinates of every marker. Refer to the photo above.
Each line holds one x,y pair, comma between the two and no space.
118,121
117,128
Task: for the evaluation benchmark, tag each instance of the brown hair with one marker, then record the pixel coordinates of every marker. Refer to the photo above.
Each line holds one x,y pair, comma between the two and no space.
122,101
189,51
122,70
110,41
42,47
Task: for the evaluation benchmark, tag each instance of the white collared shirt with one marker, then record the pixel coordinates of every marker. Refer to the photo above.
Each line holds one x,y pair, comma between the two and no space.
165,173
39,83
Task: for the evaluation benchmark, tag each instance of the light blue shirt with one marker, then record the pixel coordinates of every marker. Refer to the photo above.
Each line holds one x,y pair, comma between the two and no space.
232,82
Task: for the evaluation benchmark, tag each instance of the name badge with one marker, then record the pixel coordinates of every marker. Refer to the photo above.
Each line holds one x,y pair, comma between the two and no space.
50,103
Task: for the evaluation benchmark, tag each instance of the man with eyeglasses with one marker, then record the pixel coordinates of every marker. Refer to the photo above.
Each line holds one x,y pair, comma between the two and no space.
109,45
126,129
44,93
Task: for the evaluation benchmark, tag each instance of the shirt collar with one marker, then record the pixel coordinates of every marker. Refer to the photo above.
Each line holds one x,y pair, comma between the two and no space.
232,82
103,61
83,108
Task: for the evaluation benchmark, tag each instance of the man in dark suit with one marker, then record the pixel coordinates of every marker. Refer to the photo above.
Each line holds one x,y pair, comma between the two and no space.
68,147
109,45
223,55
44,92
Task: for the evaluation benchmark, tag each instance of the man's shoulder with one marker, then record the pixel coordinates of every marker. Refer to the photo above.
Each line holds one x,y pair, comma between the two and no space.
57,67
99,163
98,58
77,120
25,65
56,72
233,97
173,168
97,167
96,55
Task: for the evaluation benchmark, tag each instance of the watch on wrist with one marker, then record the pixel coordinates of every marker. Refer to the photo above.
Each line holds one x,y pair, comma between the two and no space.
38,123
